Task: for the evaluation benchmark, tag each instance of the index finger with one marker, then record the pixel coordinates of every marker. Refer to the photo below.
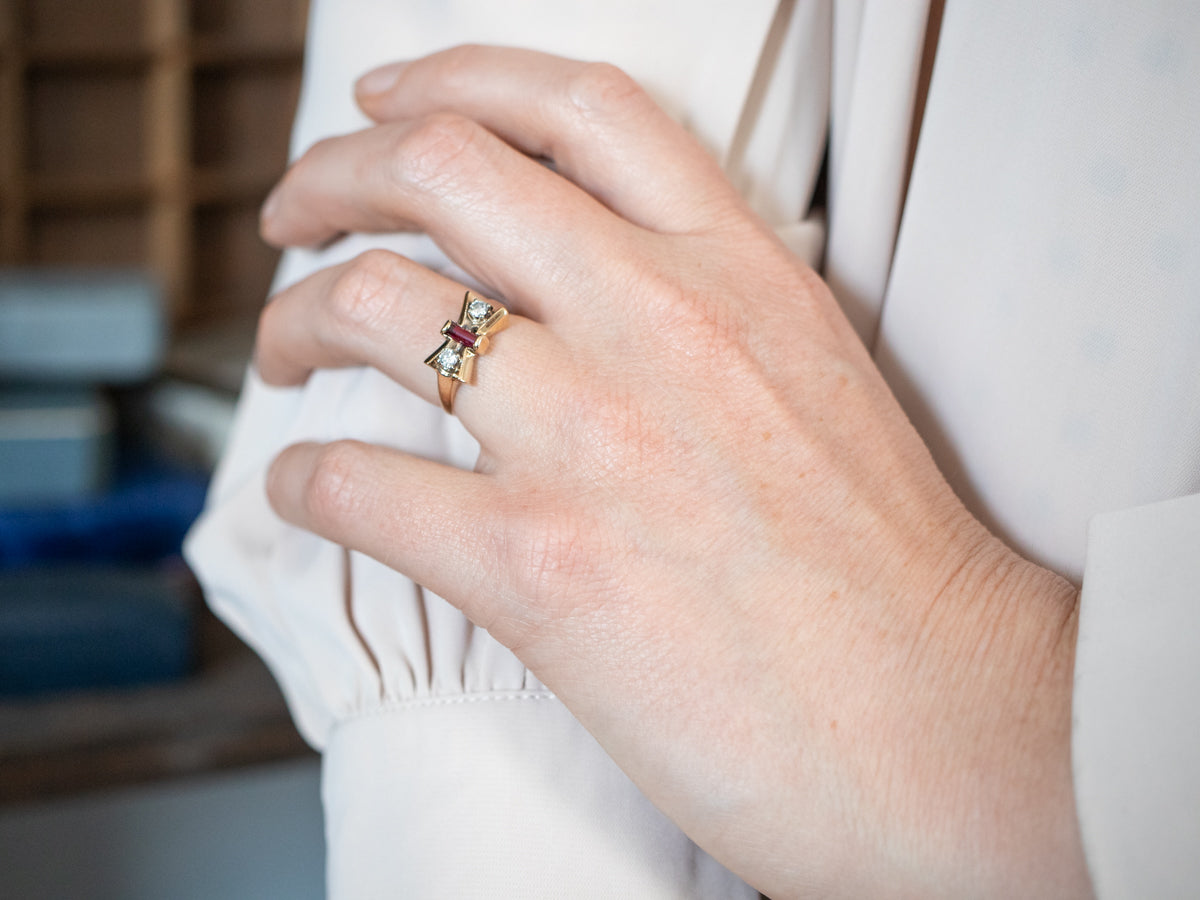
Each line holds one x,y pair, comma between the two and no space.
602,131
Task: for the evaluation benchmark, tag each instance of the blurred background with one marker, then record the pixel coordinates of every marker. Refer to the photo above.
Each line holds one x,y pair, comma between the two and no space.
144,751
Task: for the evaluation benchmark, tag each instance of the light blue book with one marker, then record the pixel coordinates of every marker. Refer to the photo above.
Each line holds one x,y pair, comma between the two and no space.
80,325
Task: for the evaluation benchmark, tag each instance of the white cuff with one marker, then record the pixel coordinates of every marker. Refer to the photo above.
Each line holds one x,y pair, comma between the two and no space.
1136,742
494,796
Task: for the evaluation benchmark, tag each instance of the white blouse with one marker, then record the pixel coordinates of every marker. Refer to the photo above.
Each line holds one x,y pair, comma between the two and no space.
1031,290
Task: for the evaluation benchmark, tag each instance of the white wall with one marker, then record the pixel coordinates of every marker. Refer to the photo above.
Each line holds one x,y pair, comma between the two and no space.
254,834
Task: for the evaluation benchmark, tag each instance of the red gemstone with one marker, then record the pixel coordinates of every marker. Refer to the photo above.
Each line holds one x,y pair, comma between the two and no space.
460,334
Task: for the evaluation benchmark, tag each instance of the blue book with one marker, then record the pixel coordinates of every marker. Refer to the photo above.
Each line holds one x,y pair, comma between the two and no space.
142,518
84,627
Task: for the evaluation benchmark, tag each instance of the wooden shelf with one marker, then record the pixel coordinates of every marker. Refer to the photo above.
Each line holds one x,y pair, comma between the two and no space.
206,187
44,55
87,191
230,713
145,132
214,355
218,186
208,52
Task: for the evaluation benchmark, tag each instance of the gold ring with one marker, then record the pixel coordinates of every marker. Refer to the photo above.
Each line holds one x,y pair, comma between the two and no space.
467,338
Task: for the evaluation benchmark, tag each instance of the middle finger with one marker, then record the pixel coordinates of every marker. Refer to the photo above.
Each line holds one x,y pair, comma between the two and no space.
512,223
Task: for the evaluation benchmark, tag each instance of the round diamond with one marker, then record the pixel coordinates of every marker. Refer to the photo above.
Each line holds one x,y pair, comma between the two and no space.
478,310
448,360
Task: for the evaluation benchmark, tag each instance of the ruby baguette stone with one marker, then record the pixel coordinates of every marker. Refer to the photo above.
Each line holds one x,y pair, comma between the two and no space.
459,334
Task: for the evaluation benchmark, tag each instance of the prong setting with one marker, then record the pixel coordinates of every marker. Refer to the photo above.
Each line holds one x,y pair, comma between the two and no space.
464,340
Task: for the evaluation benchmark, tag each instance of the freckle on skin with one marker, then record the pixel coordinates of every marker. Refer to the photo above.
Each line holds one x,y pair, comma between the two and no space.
833,725
766,435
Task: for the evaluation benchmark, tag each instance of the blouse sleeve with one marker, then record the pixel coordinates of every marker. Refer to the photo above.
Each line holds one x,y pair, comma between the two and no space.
448,769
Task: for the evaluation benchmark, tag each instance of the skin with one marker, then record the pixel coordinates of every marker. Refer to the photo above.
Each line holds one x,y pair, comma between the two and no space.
700,516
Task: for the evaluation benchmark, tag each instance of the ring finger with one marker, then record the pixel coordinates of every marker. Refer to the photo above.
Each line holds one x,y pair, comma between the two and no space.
385,311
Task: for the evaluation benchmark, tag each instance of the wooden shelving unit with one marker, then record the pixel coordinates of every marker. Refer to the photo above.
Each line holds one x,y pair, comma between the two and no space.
147,132
228,714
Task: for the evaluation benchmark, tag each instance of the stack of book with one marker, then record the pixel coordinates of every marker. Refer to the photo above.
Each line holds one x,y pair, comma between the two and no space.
92,594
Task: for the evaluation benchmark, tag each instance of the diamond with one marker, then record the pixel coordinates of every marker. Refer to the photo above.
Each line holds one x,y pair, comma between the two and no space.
448,360
478,310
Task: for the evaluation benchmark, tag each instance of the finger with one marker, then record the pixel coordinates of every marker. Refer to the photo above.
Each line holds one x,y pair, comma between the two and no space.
401,510
510,222
598,126
378,309
385,311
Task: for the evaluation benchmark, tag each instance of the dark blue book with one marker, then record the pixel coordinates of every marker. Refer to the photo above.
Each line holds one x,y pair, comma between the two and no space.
141,519
93,626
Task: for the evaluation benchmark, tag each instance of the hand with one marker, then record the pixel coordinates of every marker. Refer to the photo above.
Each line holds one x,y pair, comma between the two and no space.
699,515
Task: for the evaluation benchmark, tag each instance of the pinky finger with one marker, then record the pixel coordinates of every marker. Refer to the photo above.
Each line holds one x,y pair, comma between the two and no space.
406,512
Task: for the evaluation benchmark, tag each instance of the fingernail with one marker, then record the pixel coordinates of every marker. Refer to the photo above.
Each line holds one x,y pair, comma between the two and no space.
377,81
276,485
285,480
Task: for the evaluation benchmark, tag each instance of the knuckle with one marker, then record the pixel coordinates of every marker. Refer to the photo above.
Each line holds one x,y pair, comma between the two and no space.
362,296
598,90
331,495
458,66
706,328
309,160
438,152
553,562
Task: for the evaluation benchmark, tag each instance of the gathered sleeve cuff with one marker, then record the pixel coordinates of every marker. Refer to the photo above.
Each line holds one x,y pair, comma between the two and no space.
497,795
449,770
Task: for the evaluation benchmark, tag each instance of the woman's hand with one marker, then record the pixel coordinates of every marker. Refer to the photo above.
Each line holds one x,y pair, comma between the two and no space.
699,515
